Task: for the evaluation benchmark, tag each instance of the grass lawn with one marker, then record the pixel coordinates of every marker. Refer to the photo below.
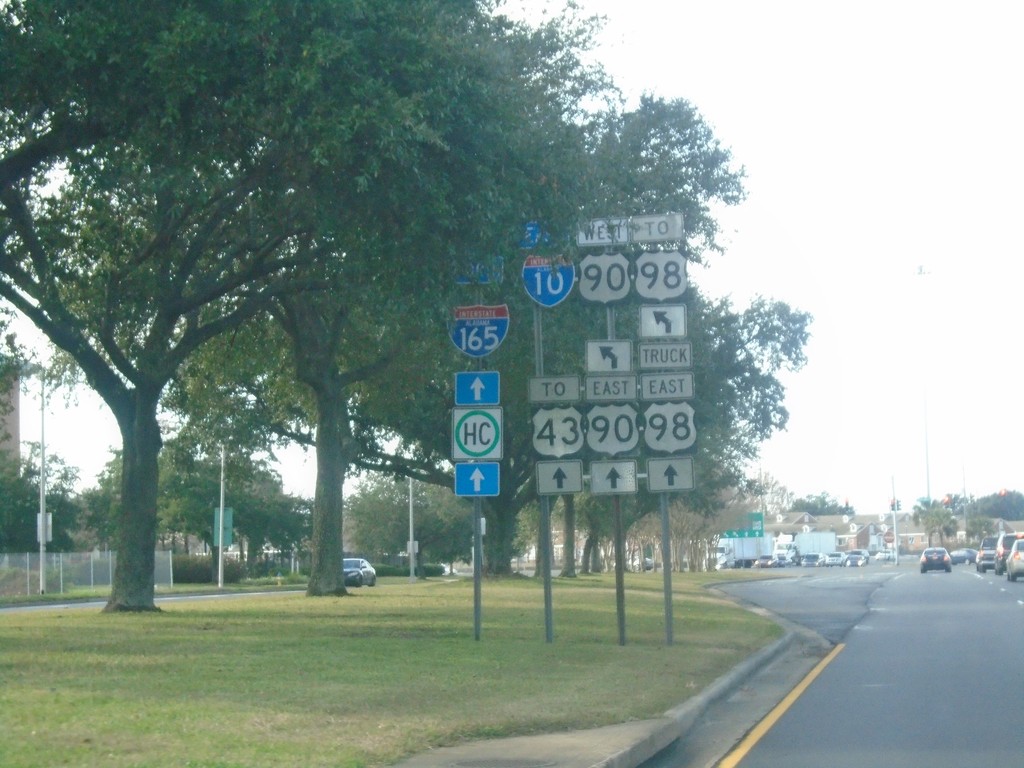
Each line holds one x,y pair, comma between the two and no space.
363,680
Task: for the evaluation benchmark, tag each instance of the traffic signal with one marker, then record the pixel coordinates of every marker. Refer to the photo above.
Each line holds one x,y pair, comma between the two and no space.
899,505
892,505
947,501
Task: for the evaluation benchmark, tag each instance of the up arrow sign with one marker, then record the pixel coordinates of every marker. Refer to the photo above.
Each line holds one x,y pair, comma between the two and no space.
477,388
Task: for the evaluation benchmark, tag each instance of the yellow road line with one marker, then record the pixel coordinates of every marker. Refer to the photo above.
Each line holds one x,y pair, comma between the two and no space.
758,731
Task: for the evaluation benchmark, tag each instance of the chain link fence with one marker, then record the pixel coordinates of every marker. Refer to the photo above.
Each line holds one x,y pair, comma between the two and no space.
68,571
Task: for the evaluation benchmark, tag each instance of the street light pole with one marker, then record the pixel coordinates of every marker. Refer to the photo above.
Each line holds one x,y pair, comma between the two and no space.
43,528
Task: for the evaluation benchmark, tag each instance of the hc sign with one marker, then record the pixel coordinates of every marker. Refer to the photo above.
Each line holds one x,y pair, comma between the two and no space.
476,433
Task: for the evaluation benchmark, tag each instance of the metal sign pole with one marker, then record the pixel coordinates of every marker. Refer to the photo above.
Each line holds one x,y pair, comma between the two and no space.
666,561
545,502
478,554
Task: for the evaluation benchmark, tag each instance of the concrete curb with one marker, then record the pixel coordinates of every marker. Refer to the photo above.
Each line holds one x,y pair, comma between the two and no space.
678,720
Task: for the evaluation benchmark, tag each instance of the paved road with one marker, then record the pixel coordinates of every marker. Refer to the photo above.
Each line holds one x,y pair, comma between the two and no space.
930,672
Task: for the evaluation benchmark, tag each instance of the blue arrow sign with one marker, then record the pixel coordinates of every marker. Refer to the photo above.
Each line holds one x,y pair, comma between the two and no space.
478,330
477,388
547,283
477,479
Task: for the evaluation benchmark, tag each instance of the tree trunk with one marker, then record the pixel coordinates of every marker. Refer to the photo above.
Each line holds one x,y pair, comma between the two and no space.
499,543
132,587
327,574
569,536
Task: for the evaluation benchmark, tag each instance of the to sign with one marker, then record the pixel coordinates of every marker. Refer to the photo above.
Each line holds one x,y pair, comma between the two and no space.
478,330
612,429
554,389
604,277
546,283
613,476
557,432
661,276
656,229
554,477
669,427
476,433
665,475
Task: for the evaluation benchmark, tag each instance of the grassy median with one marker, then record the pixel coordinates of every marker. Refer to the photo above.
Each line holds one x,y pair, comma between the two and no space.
363,680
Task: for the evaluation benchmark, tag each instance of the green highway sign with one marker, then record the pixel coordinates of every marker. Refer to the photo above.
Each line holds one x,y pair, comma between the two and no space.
745,533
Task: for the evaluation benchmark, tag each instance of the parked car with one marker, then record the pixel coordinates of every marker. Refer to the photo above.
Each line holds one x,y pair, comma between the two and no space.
834,558
856,559
963,556
1015,560
936,559
986,559
812,560
768,561
885,555
359,573
1003,544
862,552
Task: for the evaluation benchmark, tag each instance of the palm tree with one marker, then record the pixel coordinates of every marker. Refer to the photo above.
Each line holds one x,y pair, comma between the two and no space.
936,519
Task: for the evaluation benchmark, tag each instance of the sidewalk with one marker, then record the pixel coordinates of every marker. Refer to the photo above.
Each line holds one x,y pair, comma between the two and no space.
615,746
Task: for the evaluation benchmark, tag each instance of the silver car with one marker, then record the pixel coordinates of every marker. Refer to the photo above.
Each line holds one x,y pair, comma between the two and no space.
1015,560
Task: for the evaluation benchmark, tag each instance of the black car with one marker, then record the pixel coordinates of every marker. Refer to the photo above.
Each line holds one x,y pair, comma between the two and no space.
936,559
1003,544
986,554
359,573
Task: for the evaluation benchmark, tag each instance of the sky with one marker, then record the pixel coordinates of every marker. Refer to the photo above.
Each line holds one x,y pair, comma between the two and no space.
881,143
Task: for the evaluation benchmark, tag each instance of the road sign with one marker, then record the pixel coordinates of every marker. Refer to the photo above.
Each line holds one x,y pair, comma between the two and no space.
664,355
612,429
660,228
667,321
547,282
478,479
483,273
479,330
669,427
661,276
610,356
613,476
599,232
534,235
476,433
604,277
611,387
557,432
477,388
741,533
554,389
666,386
555,477
664,475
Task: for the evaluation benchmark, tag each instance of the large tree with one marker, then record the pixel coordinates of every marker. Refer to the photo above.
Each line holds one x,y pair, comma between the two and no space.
501,102
167,171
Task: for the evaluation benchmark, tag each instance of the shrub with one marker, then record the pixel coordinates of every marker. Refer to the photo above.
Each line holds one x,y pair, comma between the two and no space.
199,569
